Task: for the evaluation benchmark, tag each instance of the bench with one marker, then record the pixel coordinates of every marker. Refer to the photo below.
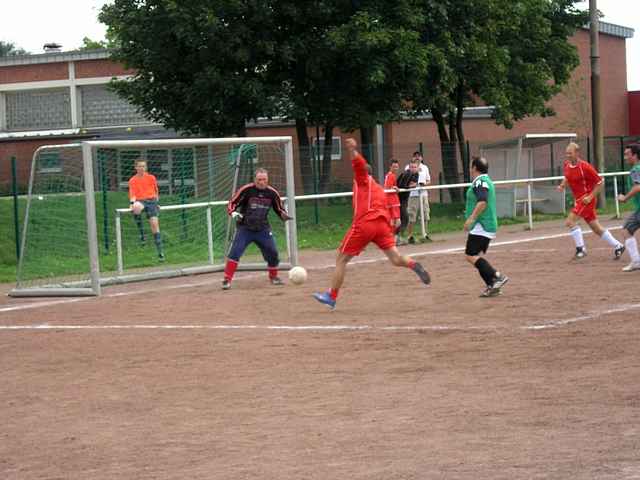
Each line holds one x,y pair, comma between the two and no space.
524,202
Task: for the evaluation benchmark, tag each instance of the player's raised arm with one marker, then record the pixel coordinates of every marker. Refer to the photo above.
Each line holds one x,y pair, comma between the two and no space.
358,162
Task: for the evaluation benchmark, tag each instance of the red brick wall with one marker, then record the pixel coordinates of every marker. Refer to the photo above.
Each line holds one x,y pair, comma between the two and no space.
100,68
23,151
34,73
634,113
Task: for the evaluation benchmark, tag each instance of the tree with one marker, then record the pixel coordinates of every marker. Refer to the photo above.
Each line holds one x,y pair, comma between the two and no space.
200,65
8,49
209,67
513,55
89,44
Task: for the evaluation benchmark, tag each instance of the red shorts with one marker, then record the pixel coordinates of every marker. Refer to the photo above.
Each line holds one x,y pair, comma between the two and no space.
395,212
359,235
588,212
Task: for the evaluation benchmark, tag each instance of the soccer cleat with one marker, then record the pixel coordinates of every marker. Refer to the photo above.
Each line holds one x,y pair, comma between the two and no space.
631,267
325,298
276,281
500,281
422,273
161,257
580,253
490,292
617,253
411,240
226,284
427,238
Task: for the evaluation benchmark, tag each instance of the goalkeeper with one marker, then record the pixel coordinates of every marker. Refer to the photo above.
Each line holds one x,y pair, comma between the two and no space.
143,195
250,206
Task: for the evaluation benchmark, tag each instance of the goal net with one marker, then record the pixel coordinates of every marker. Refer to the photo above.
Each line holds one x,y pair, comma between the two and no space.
79,233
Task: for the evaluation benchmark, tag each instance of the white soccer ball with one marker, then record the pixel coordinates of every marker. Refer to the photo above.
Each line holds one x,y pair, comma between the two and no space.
297,275
137,208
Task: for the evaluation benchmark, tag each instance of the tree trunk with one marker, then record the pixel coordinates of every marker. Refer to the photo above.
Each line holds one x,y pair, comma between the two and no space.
304,156
366,147
449,160
461,141
325,175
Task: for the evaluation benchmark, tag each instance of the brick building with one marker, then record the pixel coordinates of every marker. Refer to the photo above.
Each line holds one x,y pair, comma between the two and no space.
62,97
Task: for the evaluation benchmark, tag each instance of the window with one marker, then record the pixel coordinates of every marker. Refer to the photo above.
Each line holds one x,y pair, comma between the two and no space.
101,107
38,109
336,147
49,162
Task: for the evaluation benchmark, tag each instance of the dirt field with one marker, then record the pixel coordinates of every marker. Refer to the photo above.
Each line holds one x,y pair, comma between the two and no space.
180,380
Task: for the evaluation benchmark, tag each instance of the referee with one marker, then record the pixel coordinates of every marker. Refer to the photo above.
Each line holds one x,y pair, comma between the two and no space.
482,224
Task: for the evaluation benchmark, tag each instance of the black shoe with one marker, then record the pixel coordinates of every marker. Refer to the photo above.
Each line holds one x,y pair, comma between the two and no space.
617,253
580,253
427,238
161,257
276,281
411,240
226,284
422,273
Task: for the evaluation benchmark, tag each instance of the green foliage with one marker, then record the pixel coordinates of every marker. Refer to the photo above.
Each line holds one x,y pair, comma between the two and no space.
8,49
89,44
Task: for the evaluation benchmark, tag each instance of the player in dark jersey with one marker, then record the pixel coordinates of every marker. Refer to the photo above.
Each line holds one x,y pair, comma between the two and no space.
250,206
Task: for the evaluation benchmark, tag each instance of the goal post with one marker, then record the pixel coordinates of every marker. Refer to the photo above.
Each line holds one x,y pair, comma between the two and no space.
79,233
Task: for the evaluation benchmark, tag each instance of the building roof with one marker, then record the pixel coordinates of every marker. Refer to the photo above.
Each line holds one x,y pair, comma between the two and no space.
613,29
54,57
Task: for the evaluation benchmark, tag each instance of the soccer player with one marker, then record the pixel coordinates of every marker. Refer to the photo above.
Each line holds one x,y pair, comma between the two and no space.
250,206
632,223
393,201
370,224
585,184
143,188
482,224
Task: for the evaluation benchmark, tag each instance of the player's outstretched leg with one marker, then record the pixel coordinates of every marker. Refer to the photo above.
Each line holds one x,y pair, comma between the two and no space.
403,261
330,297
618,248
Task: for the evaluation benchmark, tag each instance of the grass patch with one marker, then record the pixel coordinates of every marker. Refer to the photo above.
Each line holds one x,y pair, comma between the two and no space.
57,238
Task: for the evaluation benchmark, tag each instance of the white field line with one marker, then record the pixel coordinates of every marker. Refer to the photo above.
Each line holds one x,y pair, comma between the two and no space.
445,251
594,315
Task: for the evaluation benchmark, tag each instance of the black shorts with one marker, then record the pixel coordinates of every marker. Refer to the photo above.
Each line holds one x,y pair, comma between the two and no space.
476,244
151,208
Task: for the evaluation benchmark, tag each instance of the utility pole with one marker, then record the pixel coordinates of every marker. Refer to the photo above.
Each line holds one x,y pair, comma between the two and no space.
596,100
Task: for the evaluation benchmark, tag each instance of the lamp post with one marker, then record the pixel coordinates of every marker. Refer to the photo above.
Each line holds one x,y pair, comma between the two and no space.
596,101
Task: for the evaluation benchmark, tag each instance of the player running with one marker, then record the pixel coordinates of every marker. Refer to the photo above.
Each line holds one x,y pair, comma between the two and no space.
585,184
481,221
250,207
371,223
632,223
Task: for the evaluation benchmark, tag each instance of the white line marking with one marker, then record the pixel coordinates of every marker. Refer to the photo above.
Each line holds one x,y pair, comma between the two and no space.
44,304
582,318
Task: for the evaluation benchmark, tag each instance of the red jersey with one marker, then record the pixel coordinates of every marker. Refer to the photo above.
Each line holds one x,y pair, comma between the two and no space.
390,181
581,178
369,198
143,188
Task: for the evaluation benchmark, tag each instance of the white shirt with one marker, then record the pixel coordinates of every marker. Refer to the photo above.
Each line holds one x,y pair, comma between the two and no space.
423,179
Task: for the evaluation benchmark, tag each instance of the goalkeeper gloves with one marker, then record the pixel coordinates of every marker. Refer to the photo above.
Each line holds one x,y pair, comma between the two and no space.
236,215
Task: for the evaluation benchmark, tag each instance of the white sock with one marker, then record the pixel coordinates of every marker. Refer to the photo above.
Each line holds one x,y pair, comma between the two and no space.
632,248
610,239
576,233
